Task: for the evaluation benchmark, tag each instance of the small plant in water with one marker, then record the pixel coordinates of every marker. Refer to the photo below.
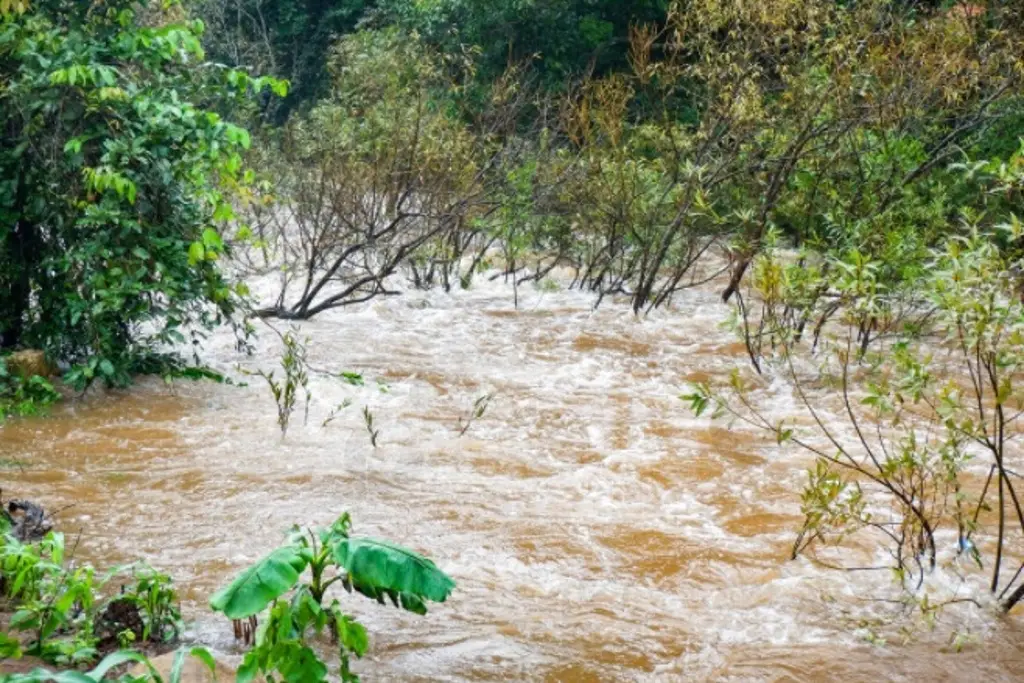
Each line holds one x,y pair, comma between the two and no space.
335,411
296,378
157,600
353,378
370,429
296,607
479,408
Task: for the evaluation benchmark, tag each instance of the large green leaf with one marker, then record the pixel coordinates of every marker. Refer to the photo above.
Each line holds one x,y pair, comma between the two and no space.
118,658
41,675
114,659
378,564
10,647
260,584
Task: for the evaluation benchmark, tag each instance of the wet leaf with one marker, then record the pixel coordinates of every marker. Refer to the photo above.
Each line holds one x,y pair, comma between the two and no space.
351,634
196,253
115,659
260,584
10,648
378,564
200,653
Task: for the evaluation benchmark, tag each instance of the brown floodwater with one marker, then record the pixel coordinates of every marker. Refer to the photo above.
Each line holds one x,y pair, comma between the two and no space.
596,529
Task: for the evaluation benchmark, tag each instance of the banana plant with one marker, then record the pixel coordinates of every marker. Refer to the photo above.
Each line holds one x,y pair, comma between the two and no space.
377,569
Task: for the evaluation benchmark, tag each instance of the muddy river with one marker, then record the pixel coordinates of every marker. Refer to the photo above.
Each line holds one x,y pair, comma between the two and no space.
597,531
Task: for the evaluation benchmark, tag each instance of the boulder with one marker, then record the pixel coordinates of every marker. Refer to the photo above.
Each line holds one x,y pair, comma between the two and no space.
28,363
28,521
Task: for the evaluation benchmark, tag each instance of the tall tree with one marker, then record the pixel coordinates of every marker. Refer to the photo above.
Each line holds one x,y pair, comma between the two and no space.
113,174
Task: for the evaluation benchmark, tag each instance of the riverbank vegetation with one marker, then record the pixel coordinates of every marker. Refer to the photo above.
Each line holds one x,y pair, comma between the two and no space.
715,133
65,613
849,175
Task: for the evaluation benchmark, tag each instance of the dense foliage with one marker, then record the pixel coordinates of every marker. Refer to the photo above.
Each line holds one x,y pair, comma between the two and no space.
289,39
113,173
64,614
826,125
292,38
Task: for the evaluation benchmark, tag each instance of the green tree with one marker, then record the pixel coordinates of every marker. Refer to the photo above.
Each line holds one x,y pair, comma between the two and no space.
114,175
566,37
291,38
286,38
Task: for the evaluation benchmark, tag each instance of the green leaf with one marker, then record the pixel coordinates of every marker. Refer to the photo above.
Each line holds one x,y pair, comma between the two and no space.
23,619
116,659
279,87
200,653
178,665
74,145
351,634
39,675
10,648
338,531
250,667
211,238
353,378
299,664
411,603
380,564
260,584
196,253
223,212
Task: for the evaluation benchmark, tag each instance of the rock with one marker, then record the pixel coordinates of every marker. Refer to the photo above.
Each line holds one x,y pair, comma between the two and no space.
28,363
194,671
28,521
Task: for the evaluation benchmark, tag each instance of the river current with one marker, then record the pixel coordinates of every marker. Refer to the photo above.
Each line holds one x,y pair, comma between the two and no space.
596,529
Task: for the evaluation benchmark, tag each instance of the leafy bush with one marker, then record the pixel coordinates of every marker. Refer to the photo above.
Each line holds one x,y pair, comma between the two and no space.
54,604
59,608
24,395
900,431
154,594
113,179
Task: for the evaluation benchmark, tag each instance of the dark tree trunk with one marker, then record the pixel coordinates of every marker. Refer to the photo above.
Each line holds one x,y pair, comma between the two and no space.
738,271
20,286
21,249
1014,598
